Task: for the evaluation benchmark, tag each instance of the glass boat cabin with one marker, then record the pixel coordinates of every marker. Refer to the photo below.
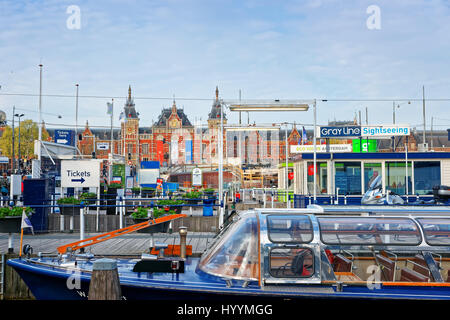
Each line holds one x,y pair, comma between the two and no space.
269,246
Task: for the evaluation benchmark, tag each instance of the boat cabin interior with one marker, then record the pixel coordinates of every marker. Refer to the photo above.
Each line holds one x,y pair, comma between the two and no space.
300,248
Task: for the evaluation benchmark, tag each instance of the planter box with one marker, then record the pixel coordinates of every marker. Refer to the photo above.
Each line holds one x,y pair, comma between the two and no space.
191,201
10,224
160,227
69,210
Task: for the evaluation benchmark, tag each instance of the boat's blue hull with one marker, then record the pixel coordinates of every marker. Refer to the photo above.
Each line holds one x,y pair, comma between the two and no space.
48,283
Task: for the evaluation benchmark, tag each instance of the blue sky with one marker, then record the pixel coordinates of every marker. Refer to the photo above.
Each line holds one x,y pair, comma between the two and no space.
302,49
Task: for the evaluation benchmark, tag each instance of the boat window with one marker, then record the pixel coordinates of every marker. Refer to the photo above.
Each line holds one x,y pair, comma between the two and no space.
436,230
372,230
291,263
297,229
236,254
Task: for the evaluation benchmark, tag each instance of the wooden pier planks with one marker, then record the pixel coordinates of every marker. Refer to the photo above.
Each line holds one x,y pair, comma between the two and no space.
127,244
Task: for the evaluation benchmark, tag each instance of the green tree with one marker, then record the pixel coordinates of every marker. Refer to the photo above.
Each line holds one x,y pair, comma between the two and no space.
29,132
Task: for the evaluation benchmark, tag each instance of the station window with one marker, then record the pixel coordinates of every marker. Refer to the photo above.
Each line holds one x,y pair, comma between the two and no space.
348,177
426,175
371,170
291,263
321,179
291,229
396,177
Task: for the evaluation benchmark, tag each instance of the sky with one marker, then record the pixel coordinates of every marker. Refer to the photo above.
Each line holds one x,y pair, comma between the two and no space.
357,59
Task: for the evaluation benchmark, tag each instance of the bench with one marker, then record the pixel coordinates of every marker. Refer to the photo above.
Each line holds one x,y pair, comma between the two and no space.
421,265
342,264
388,272
409,275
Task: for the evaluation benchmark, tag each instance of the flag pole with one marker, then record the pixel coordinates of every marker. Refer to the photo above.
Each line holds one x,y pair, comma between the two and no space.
21,238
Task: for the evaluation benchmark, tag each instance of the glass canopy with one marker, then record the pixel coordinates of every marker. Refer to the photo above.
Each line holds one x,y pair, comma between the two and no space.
371,230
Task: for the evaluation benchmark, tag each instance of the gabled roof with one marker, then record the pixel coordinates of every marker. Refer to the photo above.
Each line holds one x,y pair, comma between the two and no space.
165,115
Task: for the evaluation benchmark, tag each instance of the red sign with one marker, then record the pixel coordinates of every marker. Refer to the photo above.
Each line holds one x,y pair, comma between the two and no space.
311,170
290,175
159,182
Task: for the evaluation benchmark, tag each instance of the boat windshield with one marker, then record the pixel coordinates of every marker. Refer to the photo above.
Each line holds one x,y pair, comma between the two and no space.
436,231
371,230
236,254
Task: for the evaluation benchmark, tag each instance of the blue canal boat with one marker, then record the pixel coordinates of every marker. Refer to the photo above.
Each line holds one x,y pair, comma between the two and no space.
270,254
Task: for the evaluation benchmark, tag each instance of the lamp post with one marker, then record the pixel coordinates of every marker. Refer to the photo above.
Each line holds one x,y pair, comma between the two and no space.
393,119
13,158
272,105
19,116
40,113
76,117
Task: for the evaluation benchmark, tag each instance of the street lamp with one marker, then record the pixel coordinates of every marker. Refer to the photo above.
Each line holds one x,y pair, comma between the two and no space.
19,116
398,106
269,105
393,119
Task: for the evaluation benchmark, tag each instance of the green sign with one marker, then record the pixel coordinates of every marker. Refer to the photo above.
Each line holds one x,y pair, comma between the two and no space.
367,145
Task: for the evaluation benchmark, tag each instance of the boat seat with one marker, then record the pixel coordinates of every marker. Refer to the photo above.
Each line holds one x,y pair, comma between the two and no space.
388,268
412,276
342,264
420,260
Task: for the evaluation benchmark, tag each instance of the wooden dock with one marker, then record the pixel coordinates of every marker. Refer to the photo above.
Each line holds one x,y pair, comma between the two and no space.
129,244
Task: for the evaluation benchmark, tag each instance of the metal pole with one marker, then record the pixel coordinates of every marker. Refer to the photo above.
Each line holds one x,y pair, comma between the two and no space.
424,121
393,122
286,169
82,223
221,167
13,158
315,158
19,142
76,118
112,112
40,113
406,168
431,133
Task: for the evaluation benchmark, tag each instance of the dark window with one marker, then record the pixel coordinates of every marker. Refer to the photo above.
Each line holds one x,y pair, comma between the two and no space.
291,263
426,175
290,229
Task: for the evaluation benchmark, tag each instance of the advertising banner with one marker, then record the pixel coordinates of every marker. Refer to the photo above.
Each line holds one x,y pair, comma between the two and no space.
321,148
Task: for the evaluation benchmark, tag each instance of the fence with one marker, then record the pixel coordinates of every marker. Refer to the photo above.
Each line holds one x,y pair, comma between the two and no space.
302,201
93,218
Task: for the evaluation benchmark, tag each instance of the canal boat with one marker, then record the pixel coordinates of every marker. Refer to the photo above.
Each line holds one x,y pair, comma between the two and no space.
270,254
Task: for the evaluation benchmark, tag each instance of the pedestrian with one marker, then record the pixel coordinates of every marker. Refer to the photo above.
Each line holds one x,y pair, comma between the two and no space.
4,189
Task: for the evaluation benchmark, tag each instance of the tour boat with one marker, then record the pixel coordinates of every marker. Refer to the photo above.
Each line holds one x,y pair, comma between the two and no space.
275,253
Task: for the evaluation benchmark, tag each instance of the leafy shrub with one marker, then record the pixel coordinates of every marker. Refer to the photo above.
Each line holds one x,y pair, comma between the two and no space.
157,212
140,213
69,200
14,211
193,195
169,202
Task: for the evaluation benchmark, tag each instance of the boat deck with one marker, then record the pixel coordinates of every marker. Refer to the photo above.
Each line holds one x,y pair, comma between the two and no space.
129,244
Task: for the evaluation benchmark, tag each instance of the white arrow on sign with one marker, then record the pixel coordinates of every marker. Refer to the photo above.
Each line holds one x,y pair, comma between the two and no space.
61,141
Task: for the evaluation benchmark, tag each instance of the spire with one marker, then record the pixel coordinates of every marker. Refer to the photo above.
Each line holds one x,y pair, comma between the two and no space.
129,92
217,93
174,106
